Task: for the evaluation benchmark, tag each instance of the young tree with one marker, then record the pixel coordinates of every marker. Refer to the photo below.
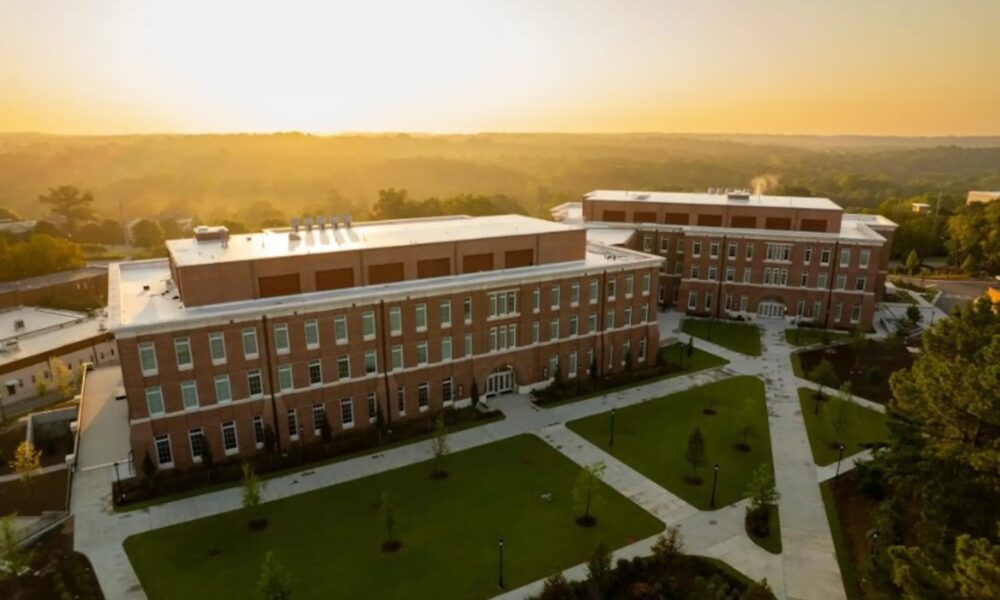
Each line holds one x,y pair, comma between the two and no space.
440,447
599,570
763,496
391,544
14,560
842,415
27,461
825,376
913,314
474,393
62,377
274,582
585,492
912,262
250,494
695,453
668,547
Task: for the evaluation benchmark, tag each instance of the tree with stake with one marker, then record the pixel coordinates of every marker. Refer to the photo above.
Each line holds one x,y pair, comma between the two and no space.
842,415
391,544
274,583
585,492
440,448
251,497
763,496
695,455
912,262
27,461
825,376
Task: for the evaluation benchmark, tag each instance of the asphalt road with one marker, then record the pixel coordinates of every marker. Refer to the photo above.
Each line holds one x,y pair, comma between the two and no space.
958,292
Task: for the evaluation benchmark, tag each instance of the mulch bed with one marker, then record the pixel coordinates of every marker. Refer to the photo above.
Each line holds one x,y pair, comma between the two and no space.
869,376
57,571
45,493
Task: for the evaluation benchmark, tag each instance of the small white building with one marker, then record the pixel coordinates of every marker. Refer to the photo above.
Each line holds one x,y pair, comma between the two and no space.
983,197
29,336
921,208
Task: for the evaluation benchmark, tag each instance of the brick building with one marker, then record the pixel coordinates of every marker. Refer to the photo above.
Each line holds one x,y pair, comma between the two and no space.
282,329
734,253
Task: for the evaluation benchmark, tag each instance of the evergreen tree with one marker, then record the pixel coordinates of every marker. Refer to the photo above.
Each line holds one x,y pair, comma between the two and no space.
274,582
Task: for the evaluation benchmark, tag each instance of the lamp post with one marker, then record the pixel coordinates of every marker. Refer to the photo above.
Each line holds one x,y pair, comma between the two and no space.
118,479
611,438
715,481
500,573
840,457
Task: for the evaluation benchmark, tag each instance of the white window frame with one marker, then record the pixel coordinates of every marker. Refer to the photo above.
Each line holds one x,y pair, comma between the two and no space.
260,383
182,345
258,432
236,439
368,325
309,369
196,434
283,371
865,257
424,397
371,401
346,413
420,317
148,350
395,320
574,294
170,451
445,313
340,327
396,360
227,397
282,343
343,366
421,350
446,354
220,337
154,393
371,362
249,337
192,386
594,287
311,329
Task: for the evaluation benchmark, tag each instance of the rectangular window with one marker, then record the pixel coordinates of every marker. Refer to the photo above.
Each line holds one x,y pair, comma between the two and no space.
147,358
629,285
626,351
571,365
646,278
285,382
315,373
554,329
839,312
553,365
817,309
395,321
372,407
866,256
217,347
250,343
845,257
749,254
804,280
554,297
467,310
254,383
536,299
312,334
164,456
746,274
732,250
708,300
859,284
182,350
821,280
535,334
468,344
647,243
713,250
346,413
807,254
824,256
712,272
343,367
420,316
422,353
189,394
574,294
779,252
371,362
281,345
154,400
447,396
692,300
730,273
196,438
695,249
293,425
642,350
223,393
423,396
628,316
800,308
446,313
574,325
593,291
695,272
609,320
340,329
229,444
644,312
319,417
612,287
592,323
396,358
258,431
841,281
446,348
743,302
855,313
368,325
401,400
664,245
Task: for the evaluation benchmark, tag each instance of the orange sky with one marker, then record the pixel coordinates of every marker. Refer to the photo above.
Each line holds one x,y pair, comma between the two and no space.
895,67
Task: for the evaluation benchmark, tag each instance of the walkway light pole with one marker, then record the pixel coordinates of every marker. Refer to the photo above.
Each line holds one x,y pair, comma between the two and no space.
611,439
500,575
840,457
118,478
715,481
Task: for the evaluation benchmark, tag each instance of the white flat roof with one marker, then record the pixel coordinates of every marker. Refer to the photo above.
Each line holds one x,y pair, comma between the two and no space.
45,330
130,306
277,243
713,199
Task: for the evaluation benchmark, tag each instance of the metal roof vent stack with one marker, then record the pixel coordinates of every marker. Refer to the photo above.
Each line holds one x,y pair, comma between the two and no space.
321,222
347,221
295,224
334,221
308,222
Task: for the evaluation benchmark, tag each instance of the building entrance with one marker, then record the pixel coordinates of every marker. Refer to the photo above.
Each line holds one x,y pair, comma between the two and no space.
500,382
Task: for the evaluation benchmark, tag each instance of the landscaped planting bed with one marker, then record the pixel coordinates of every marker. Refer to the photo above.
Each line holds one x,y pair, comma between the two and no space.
868,374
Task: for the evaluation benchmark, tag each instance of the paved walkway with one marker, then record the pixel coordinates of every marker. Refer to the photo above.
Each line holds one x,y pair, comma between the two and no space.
806,569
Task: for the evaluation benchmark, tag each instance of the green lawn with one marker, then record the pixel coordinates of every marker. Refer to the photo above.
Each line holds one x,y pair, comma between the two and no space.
864,427
330,539
807,336
739,337
771,542
652,438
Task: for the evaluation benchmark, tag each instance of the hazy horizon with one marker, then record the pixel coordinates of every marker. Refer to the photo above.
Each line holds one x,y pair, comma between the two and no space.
897,68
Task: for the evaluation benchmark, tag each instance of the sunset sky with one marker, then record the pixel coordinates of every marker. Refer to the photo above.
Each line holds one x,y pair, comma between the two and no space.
900,67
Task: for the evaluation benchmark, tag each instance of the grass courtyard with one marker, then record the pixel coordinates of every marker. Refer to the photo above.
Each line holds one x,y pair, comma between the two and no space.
652,438
807,336
330,539
738,337
861,426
